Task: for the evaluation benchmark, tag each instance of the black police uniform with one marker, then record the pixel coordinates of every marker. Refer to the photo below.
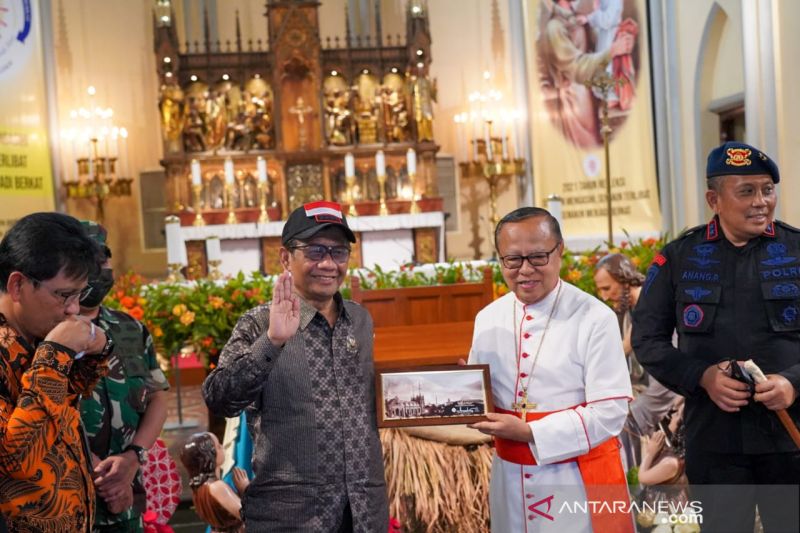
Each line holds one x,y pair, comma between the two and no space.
727,302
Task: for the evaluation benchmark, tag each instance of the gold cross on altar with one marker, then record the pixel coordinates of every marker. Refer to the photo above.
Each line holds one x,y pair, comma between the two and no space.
522,406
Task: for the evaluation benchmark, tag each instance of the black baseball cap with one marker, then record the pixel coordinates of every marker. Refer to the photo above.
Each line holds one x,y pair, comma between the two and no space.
311,218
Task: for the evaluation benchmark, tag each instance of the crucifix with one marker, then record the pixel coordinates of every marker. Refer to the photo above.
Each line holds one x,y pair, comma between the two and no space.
522,406
301,109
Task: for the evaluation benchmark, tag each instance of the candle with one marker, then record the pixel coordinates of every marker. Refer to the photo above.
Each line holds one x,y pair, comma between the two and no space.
380,163
213,250
196,178
123,133
488,144
174,240
261,166
349,165
411,161
228,170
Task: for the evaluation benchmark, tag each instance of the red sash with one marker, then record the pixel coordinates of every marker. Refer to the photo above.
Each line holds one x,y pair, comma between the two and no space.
601,470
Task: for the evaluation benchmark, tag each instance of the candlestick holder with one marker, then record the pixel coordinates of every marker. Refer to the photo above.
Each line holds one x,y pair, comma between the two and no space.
263,190
384,210
213,270
174,274
198,217
414,209
351,183
229,201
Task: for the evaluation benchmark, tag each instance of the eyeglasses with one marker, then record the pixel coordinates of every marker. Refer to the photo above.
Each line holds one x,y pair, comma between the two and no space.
317,252
513,262
66,297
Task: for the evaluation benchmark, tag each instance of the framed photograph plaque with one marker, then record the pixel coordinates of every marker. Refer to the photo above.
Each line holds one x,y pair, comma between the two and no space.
433,395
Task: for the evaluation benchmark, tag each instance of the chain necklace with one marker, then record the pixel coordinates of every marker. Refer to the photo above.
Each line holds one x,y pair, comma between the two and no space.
522,406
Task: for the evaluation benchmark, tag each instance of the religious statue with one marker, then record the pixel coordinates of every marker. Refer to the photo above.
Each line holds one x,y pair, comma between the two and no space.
172,116
395,114
338,119
366,119
301,109
424,94
194,138
216,119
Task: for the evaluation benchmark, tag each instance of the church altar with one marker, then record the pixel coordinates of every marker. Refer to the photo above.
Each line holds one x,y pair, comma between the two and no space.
387,241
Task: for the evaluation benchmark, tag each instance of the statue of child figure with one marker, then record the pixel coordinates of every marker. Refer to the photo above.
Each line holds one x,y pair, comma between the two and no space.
214,500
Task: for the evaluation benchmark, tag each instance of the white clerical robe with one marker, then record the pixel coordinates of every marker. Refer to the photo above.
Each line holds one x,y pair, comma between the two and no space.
580,373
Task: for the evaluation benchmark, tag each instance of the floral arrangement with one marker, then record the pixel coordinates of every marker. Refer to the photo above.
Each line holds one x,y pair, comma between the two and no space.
202,313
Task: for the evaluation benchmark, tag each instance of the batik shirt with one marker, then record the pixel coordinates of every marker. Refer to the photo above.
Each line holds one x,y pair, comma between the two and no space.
112,413
45,481
312,401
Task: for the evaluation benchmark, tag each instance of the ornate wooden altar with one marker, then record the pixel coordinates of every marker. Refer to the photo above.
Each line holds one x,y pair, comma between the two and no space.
302,107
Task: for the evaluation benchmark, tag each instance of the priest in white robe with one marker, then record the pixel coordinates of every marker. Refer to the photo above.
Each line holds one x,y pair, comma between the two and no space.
556,360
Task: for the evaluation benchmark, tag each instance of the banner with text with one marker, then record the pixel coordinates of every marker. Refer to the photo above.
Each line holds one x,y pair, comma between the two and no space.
574,44
26,180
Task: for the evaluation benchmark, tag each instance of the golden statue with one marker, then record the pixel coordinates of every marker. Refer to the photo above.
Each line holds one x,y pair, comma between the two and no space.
424,94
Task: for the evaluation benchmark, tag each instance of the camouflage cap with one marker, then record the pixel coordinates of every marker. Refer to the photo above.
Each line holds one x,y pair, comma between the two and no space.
97,232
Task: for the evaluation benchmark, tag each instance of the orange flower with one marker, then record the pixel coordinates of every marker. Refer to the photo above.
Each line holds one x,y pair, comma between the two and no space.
120,294
216,302
636,261
573,275
187,318
206,342
179,310
158,332
137,313
127,302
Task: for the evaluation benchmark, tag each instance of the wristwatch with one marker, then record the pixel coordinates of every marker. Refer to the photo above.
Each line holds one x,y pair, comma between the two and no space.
107,347
141,453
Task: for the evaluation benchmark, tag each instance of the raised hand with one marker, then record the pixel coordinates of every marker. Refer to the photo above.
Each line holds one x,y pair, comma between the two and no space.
284,311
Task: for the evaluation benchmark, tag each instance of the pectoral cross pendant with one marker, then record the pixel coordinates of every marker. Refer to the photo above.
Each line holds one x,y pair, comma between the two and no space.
522,406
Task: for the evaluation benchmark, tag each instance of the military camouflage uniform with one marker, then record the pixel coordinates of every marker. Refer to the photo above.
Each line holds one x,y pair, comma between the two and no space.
112,413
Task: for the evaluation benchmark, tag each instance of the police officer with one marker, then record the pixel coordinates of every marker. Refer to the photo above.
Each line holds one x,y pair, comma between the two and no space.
126,411
731,288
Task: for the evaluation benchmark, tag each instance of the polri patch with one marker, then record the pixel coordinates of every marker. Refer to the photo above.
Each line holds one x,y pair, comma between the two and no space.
692,316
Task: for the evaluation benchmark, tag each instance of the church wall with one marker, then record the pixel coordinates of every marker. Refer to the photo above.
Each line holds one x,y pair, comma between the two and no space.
462,51
109,44
787,45
711,67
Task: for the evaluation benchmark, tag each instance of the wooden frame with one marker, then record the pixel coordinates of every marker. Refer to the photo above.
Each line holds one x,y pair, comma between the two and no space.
399,404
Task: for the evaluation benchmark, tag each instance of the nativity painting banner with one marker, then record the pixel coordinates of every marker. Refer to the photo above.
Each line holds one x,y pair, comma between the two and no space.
26,180
573,43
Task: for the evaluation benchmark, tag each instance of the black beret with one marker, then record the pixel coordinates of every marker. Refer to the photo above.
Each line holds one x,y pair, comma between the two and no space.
735,158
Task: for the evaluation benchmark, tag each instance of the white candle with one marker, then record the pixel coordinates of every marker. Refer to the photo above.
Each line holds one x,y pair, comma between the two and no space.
196,177
488,144
261,166
411,161
380,163
127,168
213,250
174,240
228,170
349,165
505,147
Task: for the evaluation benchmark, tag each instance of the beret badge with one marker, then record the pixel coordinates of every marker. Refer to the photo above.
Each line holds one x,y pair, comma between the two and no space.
738,157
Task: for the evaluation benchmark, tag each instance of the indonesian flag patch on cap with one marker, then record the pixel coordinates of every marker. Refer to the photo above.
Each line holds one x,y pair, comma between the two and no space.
324,211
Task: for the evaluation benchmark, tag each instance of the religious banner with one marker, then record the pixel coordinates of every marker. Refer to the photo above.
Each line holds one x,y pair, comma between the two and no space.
26,180
578,44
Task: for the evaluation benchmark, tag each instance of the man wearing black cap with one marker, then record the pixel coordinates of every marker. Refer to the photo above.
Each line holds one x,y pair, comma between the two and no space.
302,365
731,288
